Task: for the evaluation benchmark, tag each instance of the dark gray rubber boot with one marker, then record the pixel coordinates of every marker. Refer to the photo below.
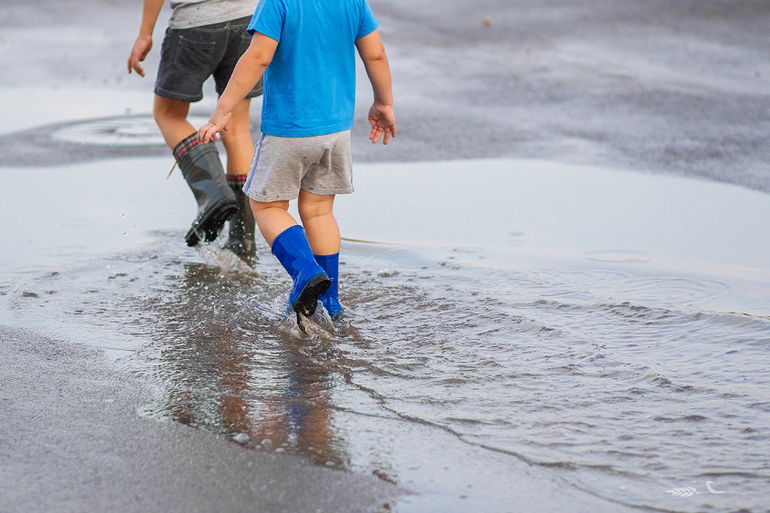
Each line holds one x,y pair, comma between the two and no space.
240,237
203,172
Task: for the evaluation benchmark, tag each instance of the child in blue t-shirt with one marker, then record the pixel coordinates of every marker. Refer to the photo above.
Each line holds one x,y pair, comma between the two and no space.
306,51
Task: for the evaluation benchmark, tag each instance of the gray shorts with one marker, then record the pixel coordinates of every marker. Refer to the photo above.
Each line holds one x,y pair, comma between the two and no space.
189,57
283,165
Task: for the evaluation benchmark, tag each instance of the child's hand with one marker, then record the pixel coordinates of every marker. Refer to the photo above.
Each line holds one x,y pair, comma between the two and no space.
142,47
383,123
217,123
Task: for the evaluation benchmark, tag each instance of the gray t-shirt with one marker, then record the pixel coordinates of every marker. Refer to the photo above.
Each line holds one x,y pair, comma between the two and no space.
196,13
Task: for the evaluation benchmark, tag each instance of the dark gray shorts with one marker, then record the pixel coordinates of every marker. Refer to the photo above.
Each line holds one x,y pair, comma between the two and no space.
190,56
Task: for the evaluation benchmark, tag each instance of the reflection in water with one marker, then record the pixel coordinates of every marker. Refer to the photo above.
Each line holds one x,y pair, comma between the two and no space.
233,371
611,377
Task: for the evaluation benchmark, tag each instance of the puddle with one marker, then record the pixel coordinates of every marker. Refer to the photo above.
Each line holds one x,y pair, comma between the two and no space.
629,257
598,377
576,210
117,131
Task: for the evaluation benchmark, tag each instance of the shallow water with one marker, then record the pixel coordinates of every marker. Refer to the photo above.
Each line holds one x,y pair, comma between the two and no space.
528,372
576,367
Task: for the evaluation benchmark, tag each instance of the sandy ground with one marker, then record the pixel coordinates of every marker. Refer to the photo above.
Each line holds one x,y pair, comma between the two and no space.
72,441
678,88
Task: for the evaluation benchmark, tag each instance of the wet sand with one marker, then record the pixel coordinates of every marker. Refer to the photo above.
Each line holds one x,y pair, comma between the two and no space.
72,441
676,90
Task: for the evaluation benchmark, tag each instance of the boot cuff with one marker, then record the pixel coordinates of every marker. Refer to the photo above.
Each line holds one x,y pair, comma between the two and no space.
195,153
184,145
287,233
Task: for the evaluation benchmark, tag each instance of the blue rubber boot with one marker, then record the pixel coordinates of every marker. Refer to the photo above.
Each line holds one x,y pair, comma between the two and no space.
310,281
330,299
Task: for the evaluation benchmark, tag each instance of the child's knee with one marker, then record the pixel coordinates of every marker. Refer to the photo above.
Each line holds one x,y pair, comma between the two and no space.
165,109
313,210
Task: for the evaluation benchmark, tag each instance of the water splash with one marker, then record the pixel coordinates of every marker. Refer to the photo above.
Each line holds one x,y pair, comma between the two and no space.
600,374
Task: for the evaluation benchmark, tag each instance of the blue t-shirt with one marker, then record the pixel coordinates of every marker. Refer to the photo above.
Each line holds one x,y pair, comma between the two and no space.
310,85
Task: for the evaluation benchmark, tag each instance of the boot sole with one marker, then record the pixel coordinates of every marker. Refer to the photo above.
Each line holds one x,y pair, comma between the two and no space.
210,225
308,300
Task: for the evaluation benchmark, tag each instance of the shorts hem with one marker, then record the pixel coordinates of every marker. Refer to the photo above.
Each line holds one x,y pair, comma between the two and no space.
256,198
292,197
171,95
256,92
346,190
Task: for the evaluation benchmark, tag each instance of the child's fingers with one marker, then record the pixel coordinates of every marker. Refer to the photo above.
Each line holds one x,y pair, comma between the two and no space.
207,133
375,134
135,66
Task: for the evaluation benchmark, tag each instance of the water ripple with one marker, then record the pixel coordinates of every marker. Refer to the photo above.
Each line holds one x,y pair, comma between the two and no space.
614,377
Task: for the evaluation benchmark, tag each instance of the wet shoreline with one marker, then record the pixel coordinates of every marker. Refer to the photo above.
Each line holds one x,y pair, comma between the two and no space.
545,310
73,442
424,320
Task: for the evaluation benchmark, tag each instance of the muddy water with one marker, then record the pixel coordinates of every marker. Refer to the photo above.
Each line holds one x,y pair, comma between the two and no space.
482,375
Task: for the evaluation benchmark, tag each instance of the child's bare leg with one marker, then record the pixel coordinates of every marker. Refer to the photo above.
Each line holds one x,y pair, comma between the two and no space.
237,140
321,228
201,169
171,117
272,218
324,237
290,246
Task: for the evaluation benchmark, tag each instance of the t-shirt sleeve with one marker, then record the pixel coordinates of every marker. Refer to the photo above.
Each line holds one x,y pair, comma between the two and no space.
268,19
368,22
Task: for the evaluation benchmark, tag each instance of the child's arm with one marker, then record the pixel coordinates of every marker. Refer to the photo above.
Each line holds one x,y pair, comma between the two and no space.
143,44
381,116
246,74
